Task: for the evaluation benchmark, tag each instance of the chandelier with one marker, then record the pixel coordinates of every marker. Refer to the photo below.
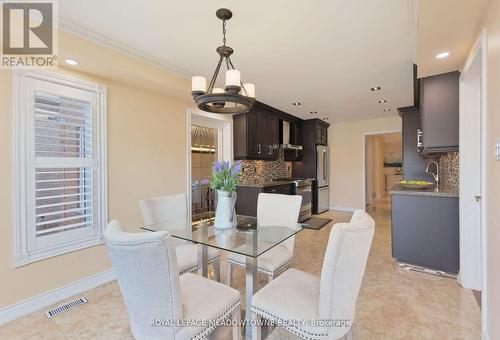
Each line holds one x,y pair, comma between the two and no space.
236,97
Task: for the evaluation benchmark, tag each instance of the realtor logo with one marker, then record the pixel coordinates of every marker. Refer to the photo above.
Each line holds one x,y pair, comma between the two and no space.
29,35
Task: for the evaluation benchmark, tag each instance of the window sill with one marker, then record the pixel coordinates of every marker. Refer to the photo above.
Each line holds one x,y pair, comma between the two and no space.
30,257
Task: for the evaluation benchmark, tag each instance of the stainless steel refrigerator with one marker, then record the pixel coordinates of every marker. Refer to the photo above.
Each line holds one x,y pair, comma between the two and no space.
322,193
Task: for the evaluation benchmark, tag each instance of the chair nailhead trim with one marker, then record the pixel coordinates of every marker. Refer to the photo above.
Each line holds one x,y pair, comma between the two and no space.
194,268
262,270
223,316
295,330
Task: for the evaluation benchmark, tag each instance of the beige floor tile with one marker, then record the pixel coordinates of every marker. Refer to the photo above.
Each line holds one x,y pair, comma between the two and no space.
393,303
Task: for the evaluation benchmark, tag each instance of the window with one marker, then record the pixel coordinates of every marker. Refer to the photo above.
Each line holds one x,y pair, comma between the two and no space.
59,165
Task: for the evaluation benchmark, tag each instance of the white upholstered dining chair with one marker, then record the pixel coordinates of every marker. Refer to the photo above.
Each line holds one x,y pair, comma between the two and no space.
272,210
158,299
173,208
323,307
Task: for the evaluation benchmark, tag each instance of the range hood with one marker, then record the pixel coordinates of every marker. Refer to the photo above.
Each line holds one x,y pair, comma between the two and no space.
285,143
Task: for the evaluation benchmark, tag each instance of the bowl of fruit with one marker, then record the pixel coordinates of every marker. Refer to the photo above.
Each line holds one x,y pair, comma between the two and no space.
411,184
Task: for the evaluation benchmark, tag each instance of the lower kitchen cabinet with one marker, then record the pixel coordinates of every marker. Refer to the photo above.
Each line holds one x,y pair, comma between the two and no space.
425,231
247,196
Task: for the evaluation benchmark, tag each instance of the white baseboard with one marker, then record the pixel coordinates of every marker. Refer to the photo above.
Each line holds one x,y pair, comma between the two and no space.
347,209
51,297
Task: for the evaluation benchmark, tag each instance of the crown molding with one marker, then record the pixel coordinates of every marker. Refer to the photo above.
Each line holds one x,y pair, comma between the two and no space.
99,39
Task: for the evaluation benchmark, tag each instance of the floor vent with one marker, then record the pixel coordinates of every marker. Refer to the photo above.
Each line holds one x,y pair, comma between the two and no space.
65,307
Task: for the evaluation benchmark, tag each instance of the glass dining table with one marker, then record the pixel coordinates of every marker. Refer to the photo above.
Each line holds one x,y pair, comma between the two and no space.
247,238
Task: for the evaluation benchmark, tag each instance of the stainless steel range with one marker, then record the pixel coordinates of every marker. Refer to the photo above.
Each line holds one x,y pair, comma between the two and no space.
302,187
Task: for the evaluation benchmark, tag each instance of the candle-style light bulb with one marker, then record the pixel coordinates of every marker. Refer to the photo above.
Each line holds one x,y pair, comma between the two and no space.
233,78
198,84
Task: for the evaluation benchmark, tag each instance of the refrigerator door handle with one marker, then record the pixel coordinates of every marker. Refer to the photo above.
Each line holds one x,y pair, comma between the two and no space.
324,165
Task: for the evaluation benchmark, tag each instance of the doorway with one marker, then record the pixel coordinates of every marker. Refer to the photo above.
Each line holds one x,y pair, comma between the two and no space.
205,149
209,140
383,167
472,173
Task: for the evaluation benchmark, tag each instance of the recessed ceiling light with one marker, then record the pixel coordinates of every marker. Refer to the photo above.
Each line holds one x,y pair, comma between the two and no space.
313,112
381,101
71,62
387,110
377,88
442,55
296,104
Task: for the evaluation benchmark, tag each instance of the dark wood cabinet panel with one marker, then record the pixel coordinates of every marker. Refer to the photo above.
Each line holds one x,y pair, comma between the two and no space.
273,135
439,109
313,132
256,136
321,135
425,231
246,204
262,135
251,132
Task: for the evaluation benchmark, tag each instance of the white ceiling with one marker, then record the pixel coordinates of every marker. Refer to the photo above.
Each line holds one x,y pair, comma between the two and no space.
325,54
447,26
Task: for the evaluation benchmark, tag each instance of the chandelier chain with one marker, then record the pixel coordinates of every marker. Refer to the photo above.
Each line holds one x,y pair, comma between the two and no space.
224,32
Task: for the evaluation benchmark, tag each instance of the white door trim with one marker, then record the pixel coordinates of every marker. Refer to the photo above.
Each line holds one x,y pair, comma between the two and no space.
480,48
363,158
212,120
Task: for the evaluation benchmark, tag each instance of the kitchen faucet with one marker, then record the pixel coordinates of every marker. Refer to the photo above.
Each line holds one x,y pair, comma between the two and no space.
435,175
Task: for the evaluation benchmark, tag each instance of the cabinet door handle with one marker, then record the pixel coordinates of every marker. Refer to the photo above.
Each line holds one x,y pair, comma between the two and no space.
478,198
258,149
270,149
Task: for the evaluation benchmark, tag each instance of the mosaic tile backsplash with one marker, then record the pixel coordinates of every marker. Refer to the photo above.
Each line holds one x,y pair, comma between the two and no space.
260,172
449,170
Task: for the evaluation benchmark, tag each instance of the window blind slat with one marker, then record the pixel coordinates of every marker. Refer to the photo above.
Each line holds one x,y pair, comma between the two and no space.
64,188
55,213
62,228
43,206
38,224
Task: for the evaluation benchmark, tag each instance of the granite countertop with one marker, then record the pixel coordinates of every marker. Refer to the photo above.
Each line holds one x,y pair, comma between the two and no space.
264,185
441,191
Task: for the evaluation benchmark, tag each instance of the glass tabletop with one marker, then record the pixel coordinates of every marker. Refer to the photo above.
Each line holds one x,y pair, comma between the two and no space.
247,238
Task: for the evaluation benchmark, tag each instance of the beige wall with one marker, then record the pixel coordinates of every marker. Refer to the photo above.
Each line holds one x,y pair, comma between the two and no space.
492,24
146,157
346,159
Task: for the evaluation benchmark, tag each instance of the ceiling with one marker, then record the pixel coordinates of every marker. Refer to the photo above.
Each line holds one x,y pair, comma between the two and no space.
325,54
447,26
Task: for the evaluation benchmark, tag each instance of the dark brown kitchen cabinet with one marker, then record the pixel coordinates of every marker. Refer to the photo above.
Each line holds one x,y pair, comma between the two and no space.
439,112
255,136
314,132
246,204
321,135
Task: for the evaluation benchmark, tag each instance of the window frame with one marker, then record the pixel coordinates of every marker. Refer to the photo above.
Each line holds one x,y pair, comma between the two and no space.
24,166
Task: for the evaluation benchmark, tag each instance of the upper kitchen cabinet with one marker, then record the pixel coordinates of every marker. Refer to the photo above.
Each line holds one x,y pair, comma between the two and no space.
316,130
321,134
256,136
439,113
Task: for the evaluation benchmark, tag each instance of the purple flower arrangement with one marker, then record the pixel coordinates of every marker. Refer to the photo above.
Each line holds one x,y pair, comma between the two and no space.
225,176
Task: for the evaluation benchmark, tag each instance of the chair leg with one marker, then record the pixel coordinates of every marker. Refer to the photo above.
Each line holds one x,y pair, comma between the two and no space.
256,329
217,270
236,317
229,274
348,335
